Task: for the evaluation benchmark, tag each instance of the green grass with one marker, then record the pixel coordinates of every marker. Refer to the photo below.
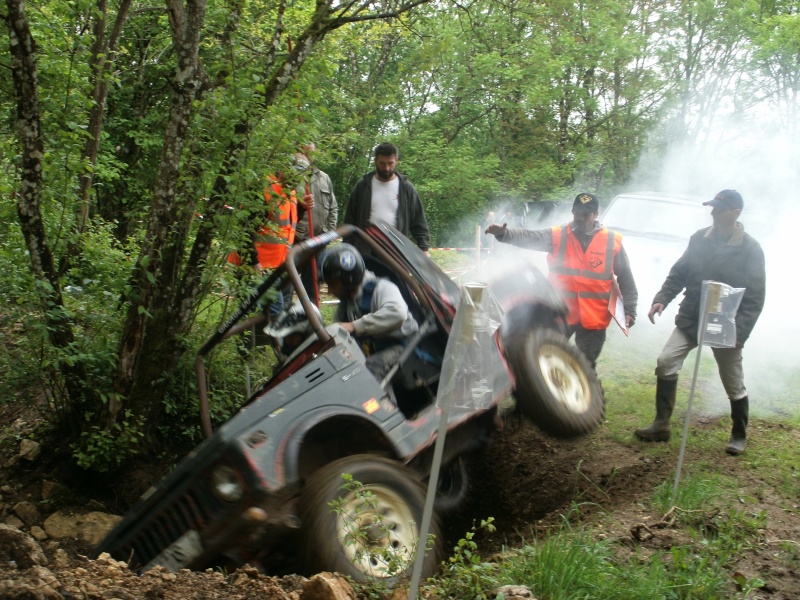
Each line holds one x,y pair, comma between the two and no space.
573,563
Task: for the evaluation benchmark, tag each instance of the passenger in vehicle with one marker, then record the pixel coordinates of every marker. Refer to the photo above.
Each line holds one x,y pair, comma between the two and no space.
290,329
585,259
371,308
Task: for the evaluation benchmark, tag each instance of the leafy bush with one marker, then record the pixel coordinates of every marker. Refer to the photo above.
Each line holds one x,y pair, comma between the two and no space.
105,451
465,573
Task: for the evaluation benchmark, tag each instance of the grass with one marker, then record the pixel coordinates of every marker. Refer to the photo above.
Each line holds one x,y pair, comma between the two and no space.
574,563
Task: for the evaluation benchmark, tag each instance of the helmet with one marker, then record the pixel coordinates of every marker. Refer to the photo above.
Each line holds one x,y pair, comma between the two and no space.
291,320
345,263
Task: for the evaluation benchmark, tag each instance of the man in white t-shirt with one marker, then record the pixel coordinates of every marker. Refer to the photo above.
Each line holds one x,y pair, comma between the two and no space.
386,195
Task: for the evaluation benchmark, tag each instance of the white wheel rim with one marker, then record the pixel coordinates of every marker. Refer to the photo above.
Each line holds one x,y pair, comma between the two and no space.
564,378
378,535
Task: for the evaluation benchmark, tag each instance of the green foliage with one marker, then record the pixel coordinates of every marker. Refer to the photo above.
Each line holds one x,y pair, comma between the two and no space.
465,574
90,294
104,451
453,198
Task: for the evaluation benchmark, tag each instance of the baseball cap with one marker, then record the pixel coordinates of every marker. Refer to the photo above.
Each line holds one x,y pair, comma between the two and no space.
727,200
586,202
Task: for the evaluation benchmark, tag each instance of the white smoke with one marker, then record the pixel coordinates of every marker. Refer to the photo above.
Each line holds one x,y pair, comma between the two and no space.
760,161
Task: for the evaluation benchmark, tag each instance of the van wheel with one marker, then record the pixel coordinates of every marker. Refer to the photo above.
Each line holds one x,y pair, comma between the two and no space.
555,385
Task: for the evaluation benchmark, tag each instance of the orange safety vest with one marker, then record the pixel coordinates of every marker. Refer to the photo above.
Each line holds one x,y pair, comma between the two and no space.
584,278
274,242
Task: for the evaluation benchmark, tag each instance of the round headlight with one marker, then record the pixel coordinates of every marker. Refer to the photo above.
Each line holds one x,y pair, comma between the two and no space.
225,484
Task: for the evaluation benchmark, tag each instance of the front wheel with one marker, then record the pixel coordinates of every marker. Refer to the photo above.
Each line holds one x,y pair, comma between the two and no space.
366,527
555,385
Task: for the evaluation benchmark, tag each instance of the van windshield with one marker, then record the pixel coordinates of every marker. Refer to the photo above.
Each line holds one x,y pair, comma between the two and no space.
656,217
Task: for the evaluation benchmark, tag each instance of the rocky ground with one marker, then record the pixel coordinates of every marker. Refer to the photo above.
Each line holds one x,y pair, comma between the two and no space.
526,481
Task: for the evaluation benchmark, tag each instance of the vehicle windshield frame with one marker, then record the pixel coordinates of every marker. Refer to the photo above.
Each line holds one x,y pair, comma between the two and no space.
656,215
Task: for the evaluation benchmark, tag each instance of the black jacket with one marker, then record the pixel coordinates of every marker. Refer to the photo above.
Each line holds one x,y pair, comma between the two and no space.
738,262
410,214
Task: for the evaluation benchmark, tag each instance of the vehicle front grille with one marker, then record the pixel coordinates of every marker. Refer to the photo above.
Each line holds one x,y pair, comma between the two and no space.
192,510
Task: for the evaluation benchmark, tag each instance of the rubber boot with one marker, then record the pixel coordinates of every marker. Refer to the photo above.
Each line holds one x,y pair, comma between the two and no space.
658,430
739,413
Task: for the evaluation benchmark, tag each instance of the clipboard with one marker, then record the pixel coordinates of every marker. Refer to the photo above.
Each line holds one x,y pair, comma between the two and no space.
616,306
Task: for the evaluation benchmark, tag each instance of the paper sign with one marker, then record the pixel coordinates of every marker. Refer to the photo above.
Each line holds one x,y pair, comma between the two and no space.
616,307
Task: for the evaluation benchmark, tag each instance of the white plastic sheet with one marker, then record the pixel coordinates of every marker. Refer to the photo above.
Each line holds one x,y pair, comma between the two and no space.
721,302
473,372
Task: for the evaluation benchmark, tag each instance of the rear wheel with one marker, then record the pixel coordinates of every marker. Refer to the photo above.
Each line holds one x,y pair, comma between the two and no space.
368,528
453,486
555,385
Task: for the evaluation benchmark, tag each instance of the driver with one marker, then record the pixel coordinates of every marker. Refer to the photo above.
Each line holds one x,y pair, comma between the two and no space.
371,308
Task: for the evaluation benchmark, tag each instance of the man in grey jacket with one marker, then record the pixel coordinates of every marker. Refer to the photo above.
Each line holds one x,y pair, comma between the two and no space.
388,196
325,211
371,309
723,253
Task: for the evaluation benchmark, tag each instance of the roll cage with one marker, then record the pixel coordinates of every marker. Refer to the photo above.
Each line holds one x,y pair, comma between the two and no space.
430,294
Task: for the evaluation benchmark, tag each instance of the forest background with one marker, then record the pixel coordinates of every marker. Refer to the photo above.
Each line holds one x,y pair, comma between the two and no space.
135,139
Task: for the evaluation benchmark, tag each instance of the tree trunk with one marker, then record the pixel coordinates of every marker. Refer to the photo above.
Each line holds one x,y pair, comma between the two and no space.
151,314
101,62
29,210
103,53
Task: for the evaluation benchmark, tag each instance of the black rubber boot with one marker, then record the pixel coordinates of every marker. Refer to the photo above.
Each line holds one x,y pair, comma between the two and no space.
739,413
658,430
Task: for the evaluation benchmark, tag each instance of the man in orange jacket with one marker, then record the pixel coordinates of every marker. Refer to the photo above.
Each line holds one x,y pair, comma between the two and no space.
272,242
585,260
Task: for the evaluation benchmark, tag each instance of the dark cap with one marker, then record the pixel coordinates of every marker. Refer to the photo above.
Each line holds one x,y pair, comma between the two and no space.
586,203
727,200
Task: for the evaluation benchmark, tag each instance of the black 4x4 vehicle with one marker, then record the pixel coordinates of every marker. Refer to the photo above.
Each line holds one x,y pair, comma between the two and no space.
261,485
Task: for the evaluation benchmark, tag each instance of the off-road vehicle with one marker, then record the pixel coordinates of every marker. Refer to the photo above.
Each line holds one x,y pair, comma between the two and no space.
260,489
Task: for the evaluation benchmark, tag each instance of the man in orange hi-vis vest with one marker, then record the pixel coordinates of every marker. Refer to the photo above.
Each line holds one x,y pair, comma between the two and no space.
585,260
272,242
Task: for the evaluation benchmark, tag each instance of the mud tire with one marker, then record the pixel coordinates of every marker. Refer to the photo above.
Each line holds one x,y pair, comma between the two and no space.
351,540
555,385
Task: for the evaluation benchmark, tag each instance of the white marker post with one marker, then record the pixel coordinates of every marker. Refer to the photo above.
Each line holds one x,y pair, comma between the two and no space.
718,306
472,376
